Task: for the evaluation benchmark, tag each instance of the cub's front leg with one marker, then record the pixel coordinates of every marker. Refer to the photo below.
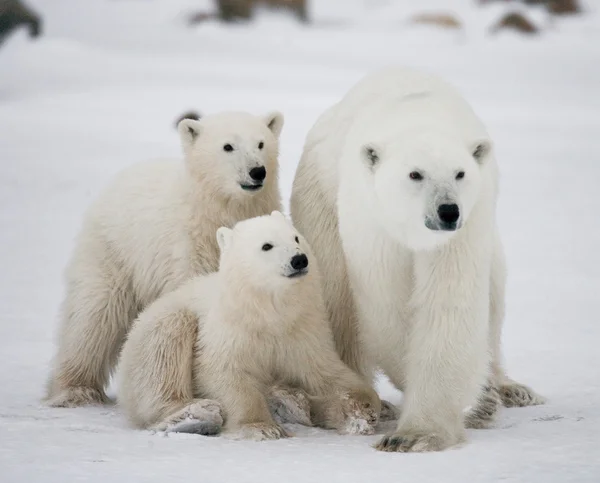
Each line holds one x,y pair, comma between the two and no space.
340,398
247,414
353,411
289,405
446,356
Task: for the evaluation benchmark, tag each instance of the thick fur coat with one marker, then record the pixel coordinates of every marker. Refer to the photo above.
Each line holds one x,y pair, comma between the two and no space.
153,229
212,350
396,192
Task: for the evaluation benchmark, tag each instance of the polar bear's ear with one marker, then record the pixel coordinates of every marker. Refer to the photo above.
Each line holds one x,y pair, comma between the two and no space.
370,155
274,121
480,149
224,236
189,130
278,214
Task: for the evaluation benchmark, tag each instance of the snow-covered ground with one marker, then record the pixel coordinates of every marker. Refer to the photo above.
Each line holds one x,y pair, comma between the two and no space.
102,90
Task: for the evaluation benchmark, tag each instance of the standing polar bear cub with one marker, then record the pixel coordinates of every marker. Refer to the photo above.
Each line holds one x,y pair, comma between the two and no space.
150,231
223,340
396,193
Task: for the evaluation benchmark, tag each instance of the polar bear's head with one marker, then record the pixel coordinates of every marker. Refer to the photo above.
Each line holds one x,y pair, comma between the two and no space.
265,252
422,186
235,152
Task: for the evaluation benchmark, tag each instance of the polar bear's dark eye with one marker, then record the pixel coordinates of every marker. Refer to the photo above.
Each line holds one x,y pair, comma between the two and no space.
460,175
261,145
266,247
415,176
297,240
228,148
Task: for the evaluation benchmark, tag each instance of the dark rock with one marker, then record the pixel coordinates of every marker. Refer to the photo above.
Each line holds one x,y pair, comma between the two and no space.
13,14
564,7
515,21
443,20
241,10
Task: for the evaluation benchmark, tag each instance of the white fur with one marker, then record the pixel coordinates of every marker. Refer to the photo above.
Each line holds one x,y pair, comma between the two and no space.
151,230
414,301
231,336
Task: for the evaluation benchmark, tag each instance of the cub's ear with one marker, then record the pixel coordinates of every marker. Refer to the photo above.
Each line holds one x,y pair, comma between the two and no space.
480,150
189,131
370,155
224,236
274,121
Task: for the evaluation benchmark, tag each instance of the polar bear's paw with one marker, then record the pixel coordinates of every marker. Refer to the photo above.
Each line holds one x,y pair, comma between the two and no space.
195,426
414,441
203,416
389,412
483,415
289,405
515,395
73,397
259,432
360,413
358,426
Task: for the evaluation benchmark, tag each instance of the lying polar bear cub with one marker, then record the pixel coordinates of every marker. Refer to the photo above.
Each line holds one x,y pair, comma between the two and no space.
213,349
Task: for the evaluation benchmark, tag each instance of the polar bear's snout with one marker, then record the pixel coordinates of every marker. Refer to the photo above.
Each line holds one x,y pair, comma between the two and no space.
449,214
258,174
257,178
299,265
447,218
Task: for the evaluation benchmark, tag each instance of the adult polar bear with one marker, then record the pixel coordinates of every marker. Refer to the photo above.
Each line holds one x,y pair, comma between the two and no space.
396,193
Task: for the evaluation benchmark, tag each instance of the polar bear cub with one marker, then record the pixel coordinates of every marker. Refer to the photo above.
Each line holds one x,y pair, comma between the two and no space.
151,230
396,192
223,340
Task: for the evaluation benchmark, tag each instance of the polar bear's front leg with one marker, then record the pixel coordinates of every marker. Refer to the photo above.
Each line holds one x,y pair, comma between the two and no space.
247,412
483,415
446,359
289,405
341,399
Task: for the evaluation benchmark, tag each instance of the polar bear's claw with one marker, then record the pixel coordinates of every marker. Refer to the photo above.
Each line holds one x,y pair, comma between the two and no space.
515,395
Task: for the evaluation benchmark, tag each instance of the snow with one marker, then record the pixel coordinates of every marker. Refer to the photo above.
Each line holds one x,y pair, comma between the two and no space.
102,90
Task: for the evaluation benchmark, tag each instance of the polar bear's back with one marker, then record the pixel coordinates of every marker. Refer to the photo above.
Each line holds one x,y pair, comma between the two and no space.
139,197
136,222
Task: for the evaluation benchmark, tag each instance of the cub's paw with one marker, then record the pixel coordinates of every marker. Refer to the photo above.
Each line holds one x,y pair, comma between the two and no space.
483,415
515,395
259,432
414,442
72,397
360,409
203,416
389,412
289,405
195,426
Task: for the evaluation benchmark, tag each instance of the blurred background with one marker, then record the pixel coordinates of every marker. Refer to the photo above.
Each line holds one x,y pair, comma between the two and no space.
88,87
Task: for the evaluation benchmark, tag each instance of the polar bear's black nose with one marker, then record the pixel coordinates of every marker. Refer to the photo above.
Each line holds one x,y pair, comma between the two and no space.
258,174
448,213
299,262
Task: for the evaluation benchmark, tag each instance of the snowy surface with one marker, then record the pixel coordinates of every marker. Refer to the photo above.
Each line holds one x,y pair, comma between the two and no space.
102,90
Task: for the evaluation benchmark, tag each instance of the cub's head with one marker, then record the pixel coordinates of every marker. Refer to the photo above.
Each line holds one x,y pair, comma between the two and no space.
266,252
235,152
421,186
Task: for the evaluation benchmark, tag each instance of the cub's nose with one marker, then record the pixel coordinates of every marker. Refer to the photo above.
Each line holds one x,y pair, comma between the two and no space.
258,174
449,213
299,262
